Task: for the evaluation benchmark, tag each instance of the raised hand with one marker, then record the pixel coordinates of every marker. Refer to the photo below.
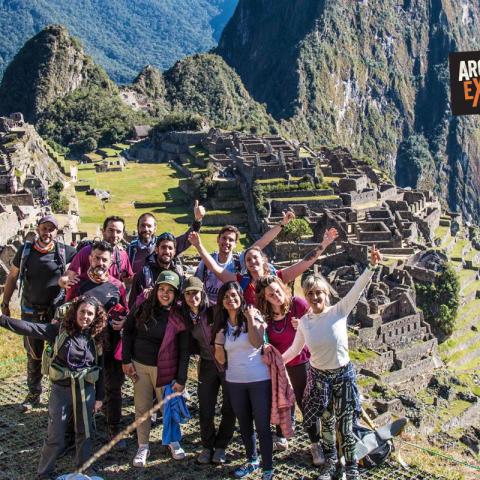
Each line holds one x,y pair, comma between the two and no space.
375,256
194,239
295,322
329,237
69,279
288,216
198,211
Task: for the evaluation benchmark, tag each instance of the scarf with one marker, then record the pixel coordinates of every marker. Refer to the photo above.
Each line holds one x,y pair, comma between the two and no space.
95,277
39,248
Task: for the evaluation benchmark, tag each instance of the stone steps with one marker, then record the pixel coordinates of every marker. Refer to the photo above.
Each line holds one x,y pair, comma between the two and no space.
473,353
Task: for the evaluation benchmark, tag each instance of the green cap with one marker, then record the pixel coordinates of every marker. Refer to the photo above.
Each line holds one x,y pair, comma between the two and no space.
192,283
170,277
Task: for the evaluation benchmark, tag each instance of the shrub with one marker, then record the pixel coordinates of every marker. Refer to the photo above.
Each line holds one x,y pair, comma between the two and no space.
440,300
179,122
296,229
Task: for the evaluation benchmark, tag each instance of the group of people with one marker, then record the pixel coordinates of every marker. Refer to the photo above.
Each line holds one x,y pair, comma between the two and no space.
110,312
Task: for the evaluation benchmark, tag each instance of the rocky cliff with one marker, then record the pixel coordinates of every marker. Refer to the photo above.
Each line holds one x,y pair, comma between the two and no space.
370,75
48,67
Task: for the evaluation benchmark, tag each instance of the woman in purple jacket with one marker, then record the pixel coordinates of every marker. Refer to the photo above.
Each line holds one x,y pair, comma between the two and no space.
155,352
211,374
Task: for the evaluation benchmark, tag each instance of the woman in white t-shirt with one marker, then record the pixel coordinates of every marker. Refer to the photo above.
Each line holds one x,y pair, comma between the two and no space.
239,333
331,393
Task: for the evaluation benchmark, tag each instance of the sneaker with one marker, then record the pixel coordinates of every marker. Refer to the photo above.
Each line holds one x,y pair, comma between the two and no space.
327,471
204,457
318,458
280,444
32,400
267,475
141,456
352,472
177,451
246,469
219,456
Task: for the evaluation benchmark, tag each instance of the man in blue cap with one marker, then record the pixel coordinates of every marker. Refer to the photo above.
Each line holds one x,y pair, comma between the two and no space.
37,265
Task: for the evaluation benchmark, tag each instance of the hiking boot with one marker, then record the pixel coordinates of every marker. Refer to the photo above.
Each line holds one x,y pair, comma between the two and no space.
327,471
204,457
219,456
267,475
280,444
177,451
140,459
318,458
246,468
351,471
113,431
32,400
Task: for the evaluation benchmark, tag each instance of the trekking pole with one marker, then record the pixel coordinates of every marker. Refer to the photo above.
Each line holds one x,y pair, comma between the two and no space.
125,432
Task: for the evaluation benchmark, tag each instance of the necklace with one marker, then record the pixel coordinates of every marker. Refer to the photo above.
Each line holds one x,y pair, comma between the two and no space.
282,328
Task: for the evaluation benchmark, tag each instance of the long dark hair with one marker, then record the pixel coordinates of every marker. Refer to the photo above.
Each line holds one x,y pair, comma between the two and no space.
97,329
150,306
221,314
184,310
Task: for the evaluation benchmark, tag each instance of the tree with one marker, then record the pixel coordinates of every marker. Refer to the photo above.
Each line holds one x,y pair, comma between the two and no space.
296,229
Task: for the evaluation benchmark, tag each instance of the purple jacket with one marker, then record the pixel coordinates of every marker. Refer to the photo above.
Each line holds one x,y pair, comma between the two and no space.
167,359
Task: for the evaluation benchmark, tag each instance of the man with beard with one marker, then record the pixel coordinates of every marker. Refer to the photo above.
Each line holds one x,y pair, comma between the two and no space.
144,245
38,265
120,268
164,257
226,258
110,292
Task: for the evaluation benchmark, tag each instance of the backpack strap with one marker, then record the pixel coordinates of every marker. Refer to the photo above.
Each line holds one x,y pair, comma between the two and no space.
61,256
27,248
132,250
147,276
59,341
116,253
245,281
237,262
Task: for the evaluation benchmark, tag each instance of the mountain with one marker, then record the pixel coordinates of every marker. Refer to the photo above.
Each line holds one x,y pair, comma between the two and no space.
121,35
48,67
369,75
73,102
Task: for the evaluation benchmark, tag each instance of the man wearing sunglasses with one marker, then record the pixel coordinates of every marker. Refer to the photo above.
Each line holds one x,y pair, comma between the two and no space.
165,256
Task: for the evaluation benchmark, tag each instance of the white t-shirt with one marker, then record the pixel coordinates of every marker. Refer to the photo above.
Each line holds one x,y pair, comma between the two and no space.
245,364
325,334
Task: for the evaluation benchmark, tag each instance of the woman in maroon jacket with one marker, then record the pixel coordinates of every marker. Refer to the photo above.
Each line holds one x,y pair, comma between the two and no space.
155,352
282,312
211,375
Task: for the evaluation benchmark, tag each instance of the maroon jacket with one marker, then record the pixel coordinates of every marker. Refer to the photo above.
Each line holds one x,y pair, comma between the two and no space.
167,359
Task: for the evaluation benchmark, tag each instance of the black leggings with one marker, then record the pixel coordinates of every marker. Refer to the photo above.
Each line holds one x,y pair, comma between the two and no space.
298,379
252,402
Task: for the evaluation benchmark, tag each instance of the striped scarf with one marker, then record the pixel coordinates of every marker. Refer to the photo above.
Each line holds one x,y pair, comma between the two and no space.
39,246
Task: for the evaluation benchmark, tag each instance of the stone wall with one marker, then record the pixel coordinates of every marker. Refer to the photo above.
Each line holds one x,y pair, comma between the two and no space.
22,198
314,204
299,193
415,353
357,198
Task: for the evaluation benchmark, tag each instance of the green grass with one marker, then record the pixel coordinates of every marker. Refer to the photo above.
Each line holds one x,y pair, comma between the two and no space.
108,152
362,355
312,197
94,157
120,146
156,183
457,249
198,152
193,167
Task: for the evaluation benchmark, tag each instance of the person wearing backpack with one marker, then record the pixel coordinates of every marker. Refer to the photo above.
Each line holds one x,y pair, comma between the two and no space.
144,245
229,261
165,257
331,394
111,294
74,366
282,312
37,265
120,268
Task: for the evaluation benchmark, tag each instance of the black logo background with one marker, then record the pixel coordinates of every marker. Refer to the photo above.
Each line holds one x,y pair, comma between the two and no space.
460,106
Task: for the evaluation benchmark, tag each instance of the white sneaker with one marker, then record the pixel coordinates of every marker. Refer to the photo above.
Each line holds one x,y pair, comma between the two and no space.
141,456
177,451
318,458
280,444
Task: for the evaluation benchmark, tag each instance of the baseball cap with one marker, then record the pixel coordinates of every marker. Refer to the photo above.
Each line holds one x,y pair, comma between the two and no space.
169,277
192,283
48,218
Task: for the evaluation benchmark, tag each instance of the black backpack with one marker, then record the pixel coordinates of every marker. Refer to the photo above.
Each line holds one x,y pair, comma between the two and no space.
370,441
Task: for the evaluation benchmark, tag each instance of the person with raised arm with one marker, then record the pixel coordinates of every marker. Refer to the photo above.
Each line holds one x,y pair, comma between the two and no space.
233,262
257,265
331,394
